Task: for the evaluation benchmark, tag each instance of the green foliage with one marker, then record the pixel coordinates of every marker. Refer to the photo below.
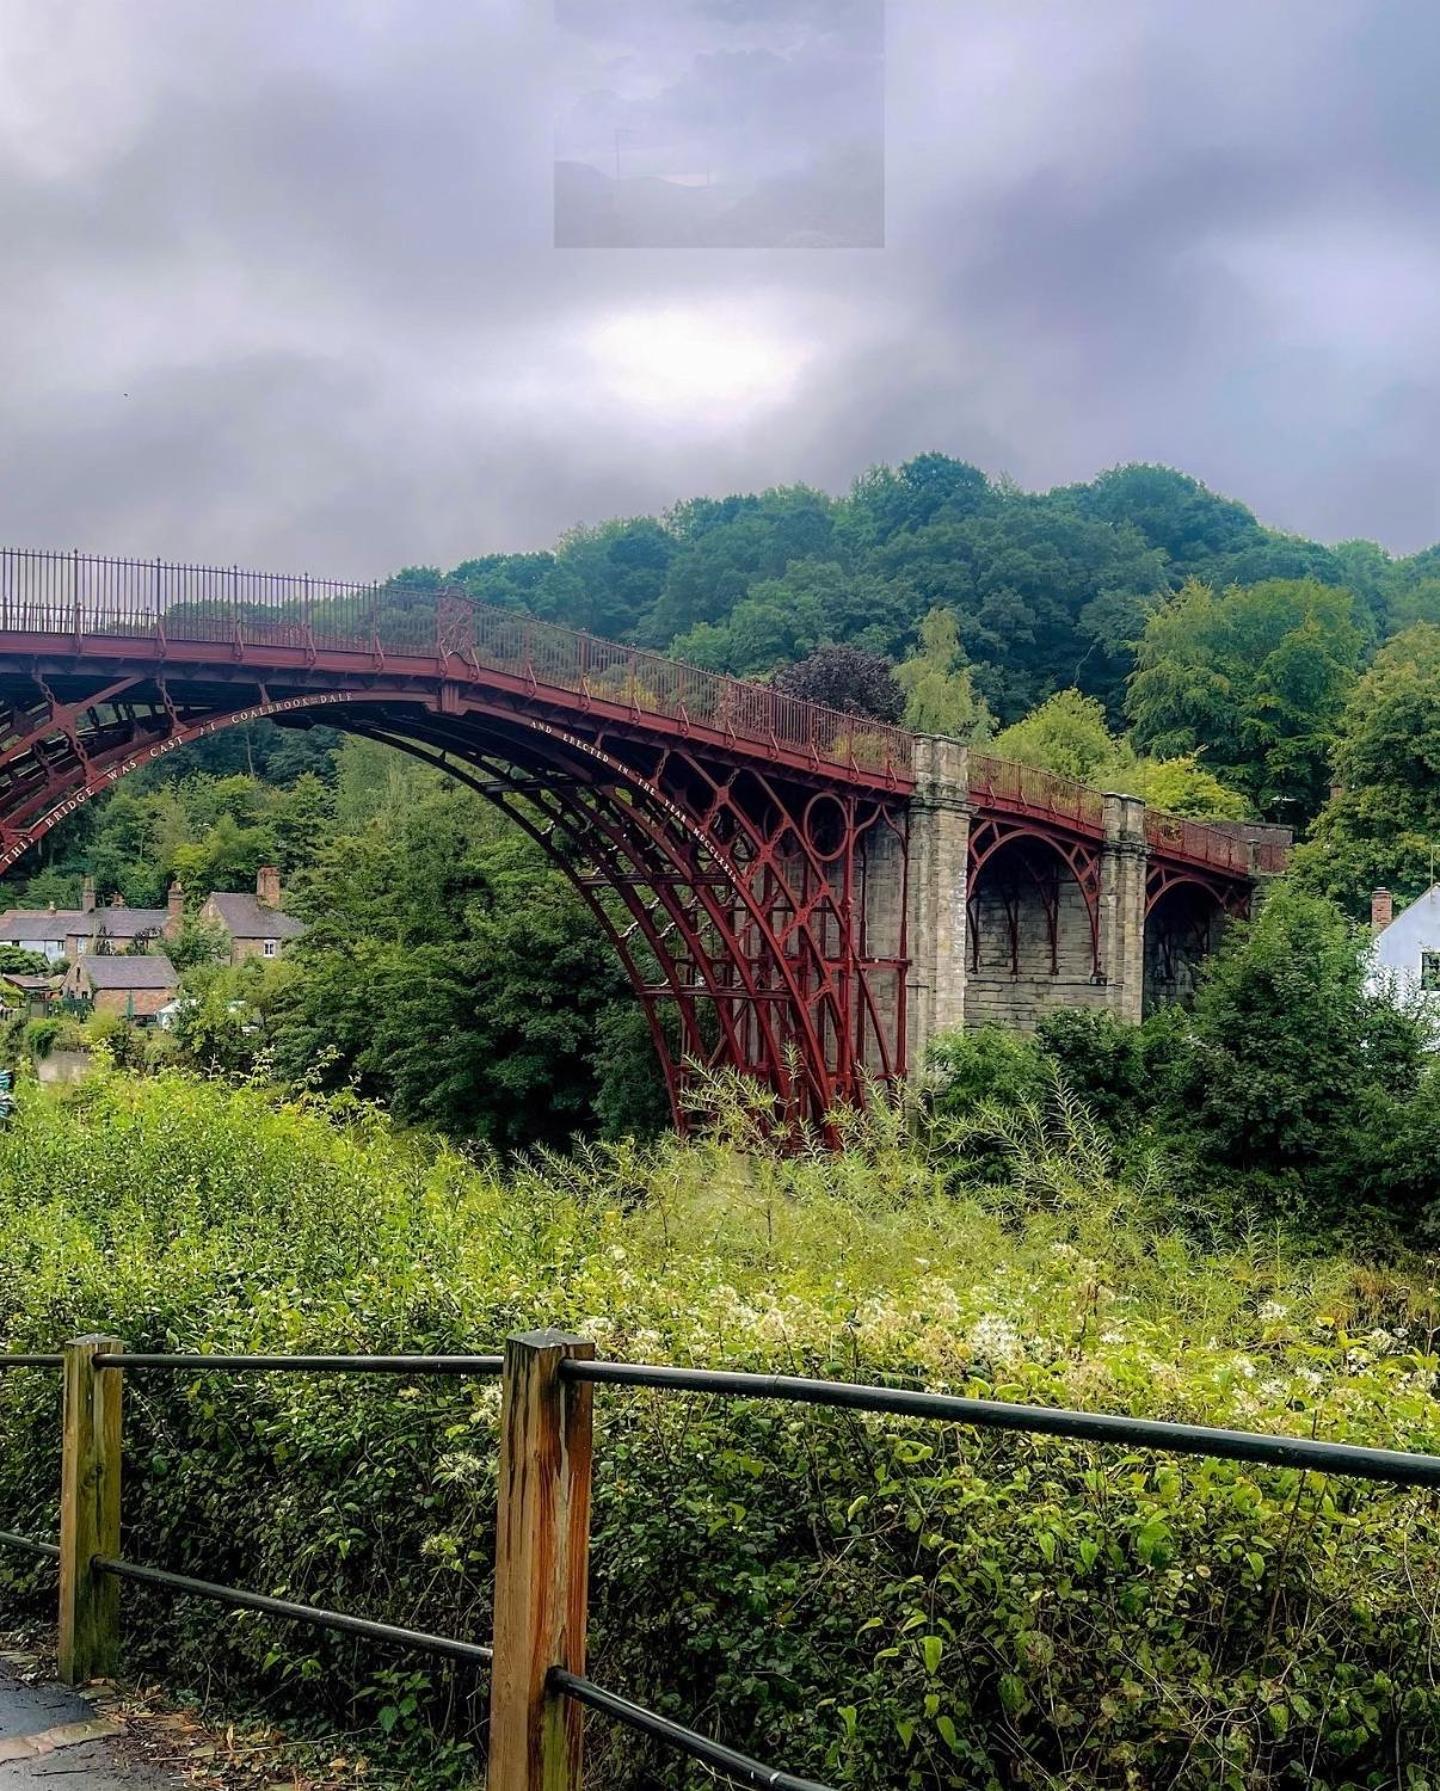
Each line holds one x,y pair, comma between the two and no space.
1184,787
449,970
940,696
988,1065
874,1603
1290,1094
1067,733
15,960
1382,825
1257,678
197,942
39,1037
1297,1072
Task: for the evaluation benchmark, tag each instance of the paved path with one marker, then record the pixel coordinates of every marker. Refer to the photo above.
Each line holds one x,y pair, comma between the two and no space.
53,1737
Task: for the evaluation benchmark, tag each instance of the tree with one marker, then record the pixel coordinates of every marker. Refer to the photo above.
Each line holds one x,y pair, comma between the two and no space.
845,678
1382,823
1294,1074
1067,734
451,971
939,691
1257,678
16,961
1184,787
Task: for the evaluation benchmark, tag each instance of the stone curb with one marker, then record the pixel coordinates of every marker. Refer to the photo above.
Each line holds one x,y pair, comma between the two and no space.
49,1741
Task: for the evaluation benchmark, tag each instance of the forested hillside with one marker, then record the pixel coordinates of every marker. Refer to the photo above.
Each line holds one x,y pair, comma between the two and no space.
1138,631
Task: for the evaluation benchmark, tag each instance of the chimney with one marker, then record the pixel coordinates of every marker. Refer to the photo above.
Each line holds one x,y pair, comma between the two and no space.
1382,910
174,909
267,885
87,896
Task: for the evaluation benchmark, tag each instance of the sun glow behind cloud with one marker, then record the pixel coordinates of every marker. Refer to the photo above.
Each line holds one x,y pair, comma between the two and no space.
693,362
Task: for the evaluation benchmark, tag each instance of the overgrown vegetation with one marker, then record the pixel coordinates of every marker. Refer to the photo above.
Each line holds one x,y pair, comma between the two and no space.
870,1602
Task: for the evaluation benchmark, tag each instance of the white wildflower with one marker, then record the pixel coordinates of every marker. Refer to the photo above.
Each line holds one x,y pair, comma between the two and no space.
996,1339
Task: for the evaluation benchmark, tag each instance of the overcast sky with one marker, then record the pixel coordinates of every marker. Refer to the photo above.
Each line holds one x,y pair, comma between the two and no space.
279,284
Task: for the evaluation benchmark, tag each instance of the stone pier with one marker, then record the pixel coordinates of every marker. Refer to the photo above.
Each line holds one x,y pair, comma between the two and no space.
939,858
1123,866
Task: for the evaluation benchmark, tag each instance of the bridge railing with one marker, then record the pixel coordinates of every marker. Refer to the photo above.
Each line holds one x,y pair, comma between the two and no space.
90,597
1007,782
1201,843
537,1653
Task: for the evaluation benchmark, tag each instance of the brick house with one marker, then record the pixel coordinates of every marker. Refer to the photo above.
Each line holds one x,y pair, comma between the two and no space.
256,925
75,932
135,988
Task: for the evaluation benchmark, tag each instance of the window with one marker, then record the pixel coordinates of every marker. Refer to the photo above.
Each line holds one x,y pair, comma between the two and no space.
1430,970
272,946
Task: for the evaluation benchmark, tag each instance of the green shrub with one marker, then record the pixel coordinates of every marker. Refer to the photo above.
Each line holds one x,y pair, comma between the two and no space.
989,1064
40,1037
870,1602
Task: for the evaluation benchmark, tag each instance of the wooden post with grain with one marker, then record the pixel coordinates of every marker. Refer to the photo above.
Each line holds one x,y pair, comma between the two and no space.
89,1512
542,1565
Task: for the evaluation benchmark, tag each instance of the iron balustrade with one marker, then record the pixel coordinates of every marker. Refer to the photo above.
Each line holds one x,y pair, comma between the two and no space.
545,1485
93,598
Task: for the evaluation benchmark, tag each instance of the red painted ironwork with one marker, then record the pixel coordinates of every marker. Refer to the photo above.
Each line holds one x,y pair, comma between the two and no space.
1175,836
745,852
1000,839
106,605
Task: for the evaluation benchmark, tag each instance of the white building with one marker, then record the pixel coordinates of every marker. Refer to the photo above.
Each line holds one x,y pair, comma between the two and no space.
1405,953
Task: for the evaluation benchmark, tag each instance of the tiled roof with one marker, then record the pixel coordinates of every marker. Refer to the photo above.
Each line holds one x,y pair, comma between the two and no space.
19,924
125,923
129,973
246,917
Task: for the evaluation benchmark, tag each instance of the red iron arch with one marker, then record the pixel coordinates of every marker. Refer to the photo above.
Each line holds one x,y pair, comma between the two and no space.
1076,853
727,893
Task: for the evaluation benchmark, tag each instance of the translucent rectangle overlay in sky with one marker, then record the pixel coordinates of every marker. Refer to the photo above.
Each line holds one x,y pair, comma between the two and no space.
720,124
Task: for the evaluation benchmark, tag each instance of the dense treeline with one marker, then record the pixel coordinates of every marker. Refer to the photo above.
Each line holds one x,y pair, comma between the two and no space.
1136,632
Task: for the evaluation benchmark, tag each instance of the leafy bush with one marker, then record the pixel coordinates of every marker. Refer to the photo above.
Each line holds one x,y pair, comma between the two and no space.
1292,1092
875,1603
40,1037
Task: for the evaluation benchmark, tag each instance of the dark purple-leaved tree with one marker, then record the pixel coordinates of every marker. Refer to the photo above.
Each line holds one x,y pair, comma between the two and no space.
845,678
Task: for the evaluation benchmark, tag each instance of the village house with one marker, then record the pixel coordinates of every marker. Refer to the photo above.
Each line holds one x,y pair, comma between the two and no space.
256,926
134,987
24,989
73,932
1405,950
39,930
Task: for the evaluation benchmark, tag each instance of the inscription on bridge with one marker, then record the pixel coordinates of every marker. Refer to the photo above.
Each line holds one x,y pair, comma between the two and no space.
182,737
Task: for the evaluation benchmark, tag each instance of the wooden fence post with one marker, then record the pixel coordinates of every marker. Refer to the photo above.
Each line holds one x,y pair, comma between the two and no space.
542,1564
89,1512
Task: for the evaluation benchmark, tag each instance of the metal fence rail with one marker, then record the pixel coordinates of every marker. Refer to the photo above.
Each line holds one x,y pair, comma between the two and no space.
93,598
1394,1465
472,1653
542,1555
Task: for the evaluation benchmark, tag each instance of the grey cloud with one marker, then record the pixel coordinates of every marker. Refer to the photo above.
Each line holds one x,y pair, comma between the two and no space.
279,284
